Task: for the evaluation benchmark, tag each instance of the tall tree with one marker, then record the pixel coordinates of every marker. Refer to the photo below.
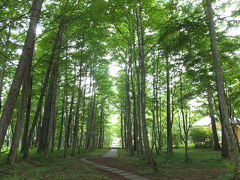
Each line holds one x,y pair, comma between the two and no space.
25,59
226,125
140,35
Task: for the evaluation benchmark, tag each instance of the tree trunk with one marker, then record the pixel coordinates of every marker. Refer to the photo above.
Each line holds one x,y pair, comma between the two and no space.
216,145
20,119
138,96
140,34
83,121
76,125
135,120
38,130
68,126
229,134
49,109
128,110
122,127
25,59
28,113
90,116
2,75
38,110
101,134
169,123
61,125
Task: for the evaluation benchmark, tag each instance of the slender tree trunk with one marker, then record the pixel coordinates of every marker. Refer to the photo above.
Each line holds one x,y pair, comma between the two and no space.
37,113
140,34
128,110
229,134
185,122
122,127
169,123
20,119
159,127
82,122
49,109
135,120
68,126
101,139
138,96
93,122
62,122
66,110
53,127
2,75
125,126
28,113
52,113
89,121
158,109
225,150
76,125
25,59
216,145
37,130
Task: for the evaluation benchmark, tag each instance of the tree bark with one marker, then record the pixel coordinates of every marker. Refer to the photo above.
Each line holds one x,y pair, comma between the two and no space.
169,122
229,134
25,59
28,113
140,34
77,117
49,109
216,145
38,110
83,121
68,126
128,109
90,118
20,119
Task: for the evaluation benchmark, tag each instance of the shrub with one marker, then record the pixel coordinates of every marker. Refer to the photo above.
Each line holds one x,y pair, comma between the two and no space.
176,140
201,137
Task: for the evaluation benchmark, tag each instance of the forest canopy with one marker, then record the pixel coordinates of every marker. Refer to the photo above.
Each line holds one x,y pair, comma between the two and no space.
68,68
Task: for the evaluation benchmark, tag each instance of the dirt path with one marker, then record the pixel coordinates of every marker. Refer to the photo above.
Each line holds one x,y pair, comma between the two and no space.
122,173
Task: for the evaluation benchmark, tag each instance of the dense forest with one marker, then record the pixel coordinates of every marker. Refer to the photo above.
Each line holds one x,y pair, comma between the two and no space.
69,67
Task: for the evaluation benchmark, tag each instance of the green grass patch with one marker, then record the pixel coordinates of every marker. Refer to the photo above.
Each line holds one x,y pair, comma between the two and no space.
204,163
97,152
54,167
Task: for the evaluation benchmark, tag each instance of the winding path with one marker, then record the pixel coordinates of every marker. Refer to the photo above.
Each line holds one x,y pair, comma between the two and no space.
123,173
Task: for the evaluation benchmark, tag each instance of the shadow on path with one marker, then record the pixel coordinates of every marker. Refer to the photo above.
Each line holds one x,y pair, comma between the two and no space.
123,173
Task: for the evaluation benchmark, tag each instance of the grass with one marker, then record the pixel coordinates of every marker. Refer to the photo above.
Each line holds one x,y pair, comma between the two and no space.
203,164
55,167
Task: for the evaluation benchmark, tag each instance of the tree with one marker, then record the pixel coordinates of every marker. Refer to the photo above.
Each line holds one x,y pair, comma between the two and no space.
225,119
25,59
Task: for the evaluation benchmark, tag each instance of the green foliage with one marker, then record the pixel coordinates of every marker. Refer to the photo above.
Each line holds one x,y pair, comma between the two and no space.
176,139
201,137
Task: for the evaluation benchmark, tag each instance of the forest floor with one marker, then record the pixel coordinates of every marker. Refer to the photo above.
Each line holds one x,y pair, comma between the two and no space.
204,164
56,167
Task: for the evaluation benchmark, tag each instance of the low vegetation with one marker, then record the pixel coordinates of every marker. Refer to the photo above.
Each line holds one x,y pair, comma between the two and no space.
203,164
55,167
202,137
